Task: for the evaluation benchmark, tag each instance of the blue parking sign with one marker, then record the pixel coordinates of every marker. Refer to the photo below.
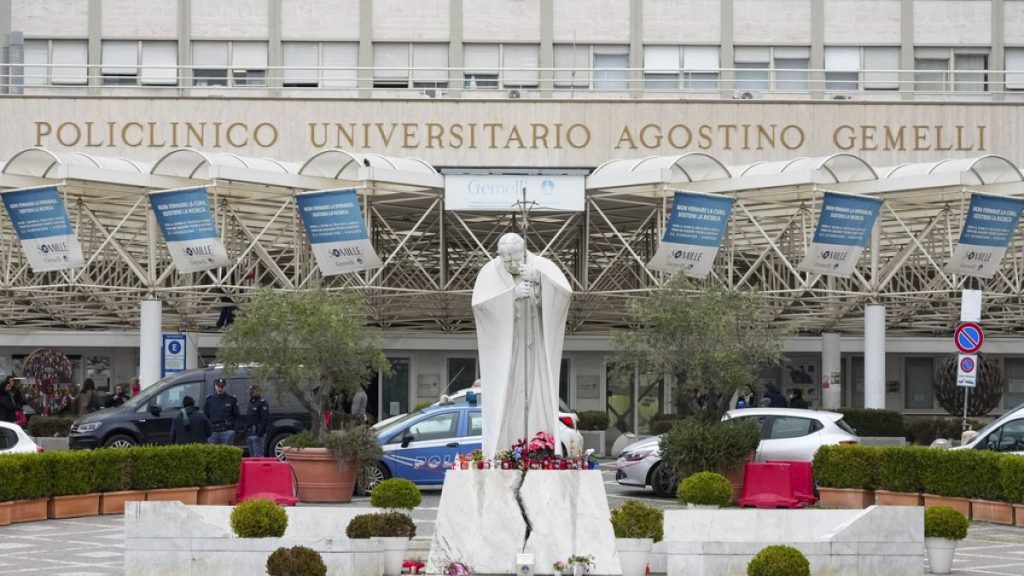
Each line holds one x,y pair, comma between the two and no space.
173,357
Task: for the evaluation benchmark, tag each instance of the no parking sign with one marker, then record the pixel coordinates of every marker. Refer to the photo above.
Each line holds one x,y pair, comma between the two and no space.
967,370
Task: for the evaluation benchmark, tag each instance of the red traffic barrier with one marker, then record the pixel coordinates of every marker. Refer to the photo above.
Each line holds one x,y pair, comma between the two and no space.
266,478
801,476
769,486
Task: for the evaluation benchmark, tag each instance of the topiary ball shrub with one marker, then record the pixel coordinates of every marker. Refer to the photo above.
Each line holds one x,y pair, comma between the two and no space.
396,493
634,519
259,518
944,522
592,420
381,525
706,489
296,561
779,561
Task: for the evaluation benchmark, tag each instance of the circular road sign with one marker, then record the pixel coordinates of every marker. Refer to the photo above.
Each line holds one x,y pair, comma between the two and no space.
967,365
968,337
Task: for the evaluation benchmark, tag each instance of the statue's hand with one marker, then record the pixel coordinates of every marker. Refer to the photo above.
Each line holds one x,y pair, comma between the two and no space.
524,290
529,273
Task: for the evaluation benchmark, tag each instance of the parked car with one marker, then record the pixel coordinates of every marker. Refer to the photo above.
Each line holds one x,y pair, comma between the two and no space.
146,418
1004,434
14,440
418,446
786,434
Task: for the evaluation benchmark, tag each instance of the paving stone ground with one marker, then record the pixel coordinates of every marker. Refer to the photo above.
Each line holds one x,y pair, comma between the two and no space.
94,546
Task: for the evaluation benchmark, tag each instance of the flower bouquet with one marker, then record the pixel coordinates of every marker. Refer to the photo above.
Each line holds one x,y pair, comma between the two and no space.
577,565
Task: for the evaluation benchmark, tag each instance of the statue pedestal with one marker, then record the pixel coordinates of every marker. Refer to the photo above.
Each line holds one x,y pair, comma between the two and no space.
483,514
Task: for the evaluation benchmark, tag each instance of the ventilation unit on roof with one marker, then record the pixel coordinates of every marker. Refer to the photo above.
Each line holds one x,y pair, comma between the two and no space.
513,94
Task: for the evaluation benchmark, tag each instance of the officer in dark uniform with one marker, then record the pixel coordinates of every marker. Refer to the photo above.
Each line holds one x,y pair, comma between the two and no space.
257,419
221,409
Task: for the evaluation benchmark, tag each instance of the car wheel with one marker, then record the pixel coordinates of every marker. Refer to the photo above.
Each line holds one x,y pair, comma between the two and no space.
277,446
120,441
376,475
662,481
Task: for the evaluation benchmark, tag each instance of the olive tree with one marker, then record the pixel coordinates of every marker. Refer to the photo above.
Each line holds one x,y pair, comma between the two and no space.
711,339
311,344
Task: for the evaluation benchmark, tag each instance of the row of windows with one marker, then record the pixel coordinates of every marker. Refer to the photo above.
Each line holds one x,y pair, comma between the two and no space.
598,67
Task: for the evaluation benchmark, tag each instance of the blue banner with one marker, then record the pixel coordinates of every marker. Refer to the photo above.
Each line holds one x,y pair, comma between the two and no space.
694,233
988,229
336,231
844,227
42,224
187,225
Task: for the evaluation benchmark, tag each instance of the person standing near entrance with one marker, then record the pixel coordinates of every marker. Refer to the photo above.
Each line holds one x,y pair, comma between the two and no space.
222,410
190,426
257,419
359,404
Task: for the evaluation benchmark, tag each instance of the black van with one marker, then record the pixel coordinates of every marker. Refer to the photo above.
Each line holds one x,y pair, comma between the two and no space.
146,418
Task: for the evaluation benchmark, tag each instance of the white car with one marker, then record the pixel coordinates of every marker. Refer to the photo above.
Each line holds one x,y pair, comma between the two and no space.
13,440
786,434
1004,434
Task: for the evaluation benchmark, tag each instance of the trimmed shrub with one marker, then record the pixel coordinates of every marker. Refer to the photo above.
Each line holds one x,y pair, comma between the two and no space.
924,431
222,464
72,473
359,526
695,445
10,471
381,524
112,468
593,420
33,479
846,467
49,426
779,561
296,561
396,493
944,522
156,467
634,519
874,422
963,474
662,423
706,488
1011,478
902,469
259,518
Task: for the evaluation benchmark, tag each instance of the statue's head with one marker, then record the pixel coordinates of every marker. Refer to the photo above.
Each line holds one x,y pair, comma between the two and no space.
511,250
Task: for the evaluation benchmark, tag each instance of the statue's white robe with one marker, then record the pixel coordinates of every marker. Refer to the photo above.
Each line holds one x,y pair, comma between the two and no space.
506,386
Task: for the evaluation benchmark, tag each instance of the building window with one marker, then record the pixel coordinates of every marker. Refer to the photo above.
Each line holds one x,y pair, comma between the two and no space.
681,67
572,66
395,65
851,68
132,63
229,63
918,382
585,66
320,64
611,68
56,62
950,69
1014,68
780,68
505,65
1014,370
461,374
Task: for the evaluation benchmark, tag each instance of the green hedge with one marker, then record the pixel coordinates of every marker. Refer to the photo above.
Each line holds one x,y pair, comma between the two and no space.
593,420
1011,477
169,467
31,477
963,474
902,469
72,473
853,466
113,469
924,431
873,422
49,426
223,464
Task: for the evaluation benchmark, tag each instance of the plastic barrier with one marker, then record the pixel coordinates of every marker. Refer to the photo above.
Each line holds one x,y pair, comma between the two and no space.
802,478
769,486
267,478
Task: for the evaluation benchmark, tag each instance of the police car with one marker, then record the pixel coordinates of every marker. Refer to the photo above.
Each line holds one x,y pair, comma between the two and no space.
419,446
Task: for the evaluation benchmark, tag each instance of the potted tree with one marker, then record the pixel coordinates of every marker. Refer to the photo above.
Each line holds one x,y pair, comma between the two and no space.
705,490
943,527
637,527
775,560
395,495
314,345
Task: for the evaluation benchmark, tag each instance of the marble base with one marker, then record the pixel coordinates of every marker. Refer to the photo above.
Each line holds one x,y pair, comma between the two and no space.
880,540
480,522
170,538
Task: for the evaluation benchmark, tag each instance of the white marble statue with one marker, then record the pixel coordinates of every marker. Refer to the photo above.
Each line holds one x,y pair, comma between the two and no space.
520,303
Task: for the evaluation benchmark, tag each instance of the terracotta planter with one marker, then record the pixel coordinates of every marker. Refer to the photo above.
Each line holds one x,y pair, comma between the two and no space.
994,512
113,502
854,498
222,495
321,478
1018,514
29,510
5,513
185,495
74,506
889,498
961,505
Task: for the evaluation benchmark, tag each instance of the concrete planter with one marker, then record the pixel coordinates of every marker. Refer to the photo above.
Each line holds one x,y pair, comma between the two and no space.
633,555
392,552
113,502
851,498
5,513
961,505
221,495
940,554
889,498
994,512
186,495
29,510
74,506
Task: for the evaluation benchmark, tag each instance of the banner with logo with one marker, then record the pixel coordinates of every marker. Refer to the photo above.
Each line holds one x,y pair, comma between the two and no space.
188,227
42,224
693,235
988,229
844,228
336,231
502,192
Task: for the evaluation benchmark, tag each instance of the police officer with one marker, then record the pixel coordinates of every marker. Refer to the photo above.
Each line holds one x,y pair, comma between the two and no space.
221,409
256,420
